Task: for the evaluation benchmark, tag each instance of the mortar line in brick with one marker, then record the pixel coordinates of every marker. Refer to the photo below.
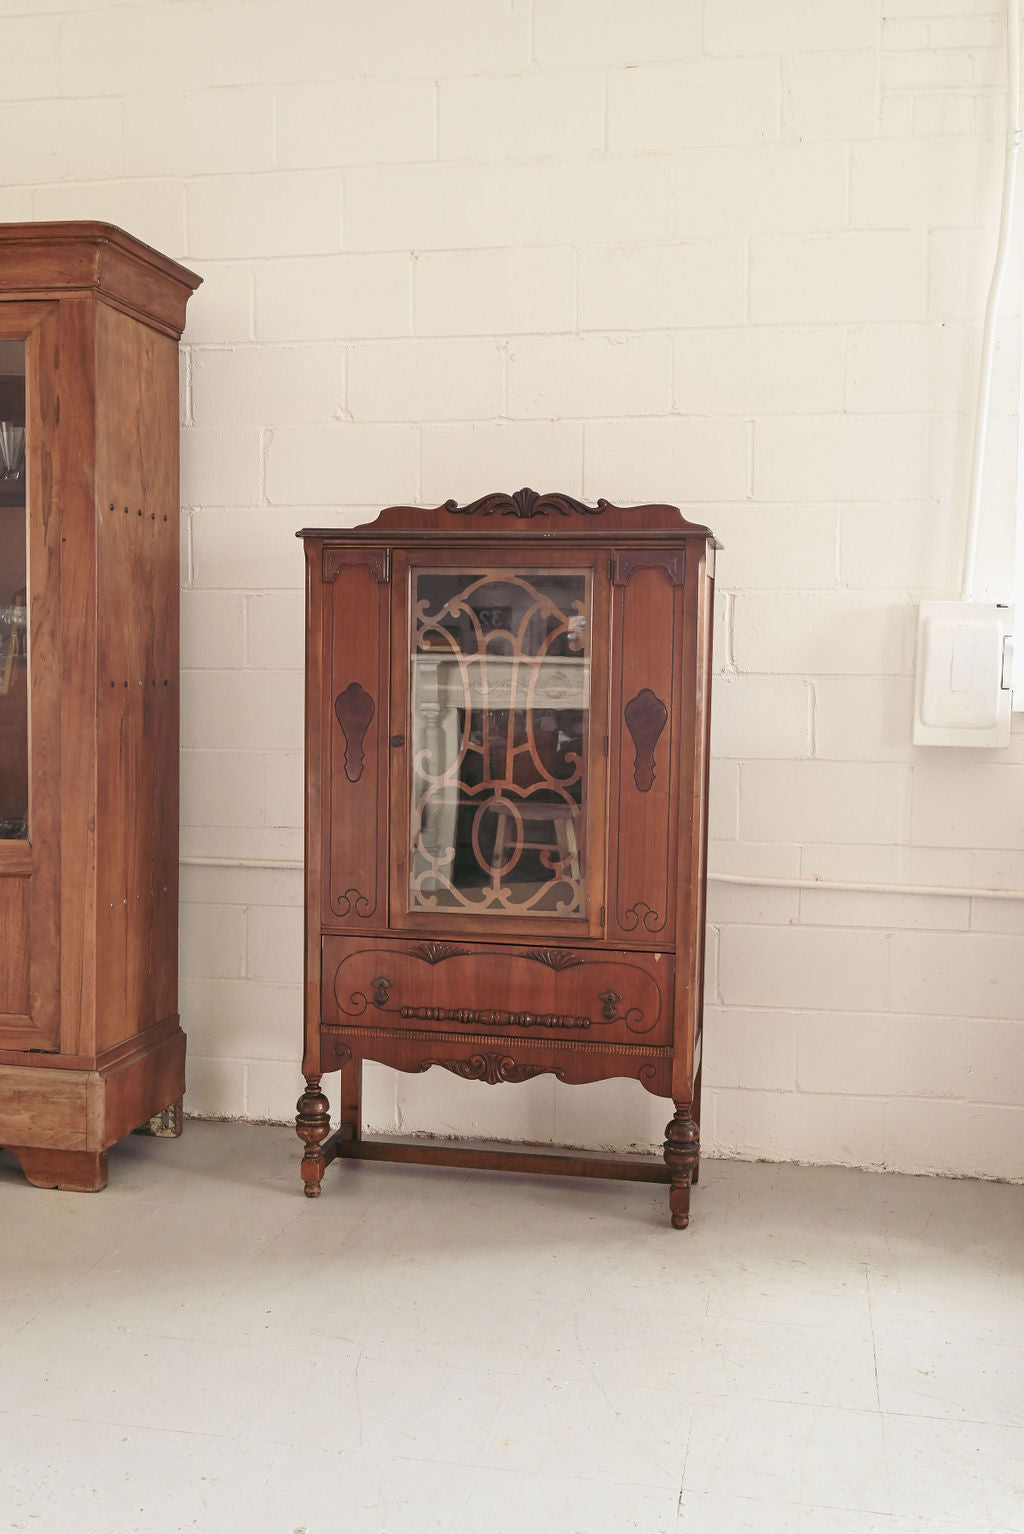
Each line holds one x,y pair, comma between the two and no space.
190,568
263,442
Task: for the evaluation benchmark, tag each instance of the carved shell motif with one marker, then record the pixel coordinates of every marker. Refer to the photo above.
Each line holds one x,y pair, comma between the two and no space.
434,953
492,1068
525,503
554,958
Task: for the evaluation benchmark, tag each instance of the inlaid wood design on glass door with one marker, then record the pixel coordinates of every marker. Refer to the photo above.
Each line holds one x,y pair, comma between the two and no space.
499,723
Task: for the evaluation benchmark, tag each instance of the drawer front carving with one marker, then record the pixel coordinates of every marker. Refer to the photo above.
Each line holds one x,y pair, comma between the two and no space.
510,991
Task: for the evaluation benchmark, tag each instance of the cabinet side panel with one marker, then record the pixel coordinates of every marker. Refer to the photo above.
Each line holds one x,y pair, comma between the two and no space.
693,809
644,744
137,676
354,746
699,851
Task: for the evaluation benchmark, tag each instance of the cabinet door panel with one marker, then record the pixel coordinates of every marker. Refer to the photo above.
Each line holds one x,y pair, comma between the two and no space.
30,670
647,597
355,615
498,810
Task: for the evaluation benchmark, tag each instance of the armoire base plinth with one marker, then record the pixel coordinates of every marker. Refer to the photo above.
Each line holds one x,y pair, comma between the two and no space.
59,1123
70,1171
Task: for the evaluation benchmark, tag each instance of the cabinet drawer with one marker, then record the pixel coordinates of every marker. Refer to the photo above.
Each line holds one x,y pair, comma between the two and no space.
511,990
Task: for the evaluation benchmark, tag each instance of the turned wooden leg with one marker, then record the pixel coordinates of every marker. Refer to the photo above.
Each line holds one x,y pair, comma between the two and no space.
72,1171
682,1151
312,1124
350,1100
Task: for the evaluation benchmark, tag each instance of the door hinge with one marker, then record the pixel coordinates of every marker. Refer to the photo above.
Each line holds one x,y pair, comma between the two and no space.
606,746
602,916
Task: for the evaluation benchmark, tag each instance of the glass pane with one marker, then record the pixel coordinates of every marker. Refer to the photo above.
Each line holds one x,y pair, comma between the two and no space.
499,720
13,596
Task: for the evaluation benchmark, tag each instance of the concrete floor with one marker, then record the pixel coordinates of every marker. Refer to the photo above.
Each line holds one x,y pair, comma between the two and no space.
201,1348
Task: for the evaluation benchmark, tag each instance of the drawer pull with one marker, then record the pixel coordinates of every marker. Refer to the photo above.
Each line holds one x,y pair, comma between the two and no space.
494,1019
381,985
611,1000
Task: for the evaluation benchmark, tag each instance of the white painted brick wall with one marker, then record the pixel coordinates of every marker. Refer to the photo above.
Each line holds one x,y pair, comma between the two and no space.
494,292
728,253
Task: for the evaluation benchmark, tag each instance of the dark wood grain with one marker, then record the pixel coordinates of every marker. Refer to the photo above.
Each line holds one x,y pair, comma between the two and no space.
354,709
355,608
497,995
500,518
420,1153
651,695
645,717
475,987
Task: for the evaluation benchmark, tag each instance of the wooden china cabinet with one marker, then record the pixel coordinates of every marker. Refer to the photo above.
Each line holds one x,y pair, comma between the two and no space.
90,1041
506,743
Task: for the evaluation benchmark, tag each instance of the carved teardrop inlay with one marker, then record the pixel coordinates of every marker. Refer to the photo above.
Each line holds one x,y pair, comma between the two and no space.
355,709
646,717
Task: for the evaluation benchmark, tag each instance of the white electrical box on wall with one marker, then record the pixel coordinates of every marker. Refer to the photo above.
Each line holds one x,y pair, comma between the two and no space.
964,661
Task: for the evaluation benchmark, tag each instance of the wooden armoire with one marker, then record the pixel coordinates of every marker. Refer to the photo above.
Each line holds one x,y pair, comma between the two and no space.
506,750
90,1041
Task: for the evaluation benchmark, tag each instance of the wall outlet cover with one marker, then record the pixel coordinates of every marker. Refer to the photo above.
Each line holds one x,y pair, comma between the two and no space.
962,695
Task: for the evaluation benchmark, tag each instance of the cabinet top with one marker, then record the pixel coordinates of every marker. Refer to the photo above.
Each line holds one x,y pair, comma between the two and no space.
523,514
47,259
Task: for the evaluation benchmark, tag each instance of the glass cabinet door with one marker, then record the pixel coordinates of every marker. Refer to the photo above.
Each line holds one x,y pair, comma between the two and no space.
13,597
498,729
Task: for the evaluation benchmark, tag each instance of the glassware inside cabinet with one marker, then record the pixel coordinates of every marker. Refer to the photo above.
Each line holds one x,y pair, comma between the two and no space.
500,703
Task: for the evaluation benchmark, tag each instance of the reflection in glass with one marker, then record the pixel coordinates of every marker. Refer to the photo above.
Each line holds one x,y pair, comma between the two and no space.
499,719
13,596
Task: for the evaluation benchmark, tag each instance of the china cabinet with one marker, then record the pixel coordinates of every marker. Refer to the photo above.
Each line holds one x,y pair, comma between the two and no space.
506,745
90,1041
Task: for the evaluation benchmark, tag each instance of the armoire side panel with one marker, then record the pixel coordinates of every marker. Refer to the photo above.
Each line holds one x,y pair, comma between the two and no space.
644,736
356,605
137,677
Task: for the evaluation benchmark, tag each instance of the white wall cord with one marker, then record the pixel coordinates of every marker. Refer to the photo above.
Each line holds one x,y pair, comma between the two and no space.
988,341
753,881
